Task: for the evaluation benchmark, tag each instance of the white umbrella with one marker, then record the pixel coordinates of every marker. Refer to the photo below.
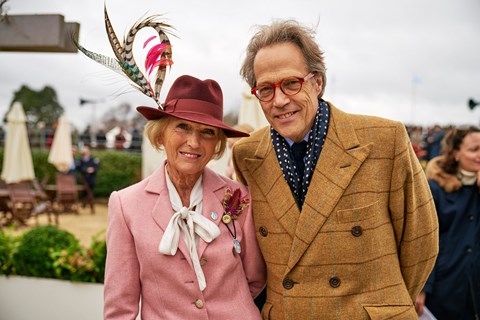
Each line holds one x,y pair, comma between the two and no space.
17,158
61,152
251,112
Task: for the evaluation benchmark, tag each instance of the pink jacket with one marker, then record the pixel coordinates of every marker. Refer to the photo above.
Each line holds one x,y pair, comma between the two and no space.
167,285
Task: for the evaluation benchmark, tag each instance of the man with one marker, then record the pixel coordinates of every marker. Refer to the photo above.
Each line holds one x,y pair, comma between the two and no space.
88,167
349,230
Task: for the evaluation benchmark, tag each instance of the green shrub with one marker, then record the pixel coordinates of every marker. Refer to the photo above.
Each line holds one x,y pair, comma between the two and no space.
49,252
118,169
99,256
34,254
8,245
81,265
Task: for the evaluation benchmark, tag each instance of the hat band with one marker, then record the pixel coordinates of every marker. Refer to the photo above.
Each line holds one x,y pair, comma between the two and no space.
195,107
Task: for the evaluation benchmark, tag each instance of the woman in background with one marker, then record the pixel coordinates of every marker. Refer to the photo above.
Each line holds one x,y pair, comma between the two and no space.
453,289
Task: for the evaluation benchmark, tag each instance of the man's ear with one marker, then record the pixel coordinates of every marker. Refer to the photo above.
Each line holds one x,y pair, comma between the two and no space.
318,84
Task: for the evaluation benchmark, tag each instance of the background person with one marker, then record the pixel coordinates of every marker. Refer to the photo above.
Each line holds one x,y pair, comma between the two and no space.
348,229
88,167
453,288
176,239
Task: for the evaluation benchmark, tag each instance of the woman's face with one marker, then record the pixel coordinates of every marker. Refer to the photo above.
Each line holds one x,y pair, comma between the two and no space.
189,146
468,156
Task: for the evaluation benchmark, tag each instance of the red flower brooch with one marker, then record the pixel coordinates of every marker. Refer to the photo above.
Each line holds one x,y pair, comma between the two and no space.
233,205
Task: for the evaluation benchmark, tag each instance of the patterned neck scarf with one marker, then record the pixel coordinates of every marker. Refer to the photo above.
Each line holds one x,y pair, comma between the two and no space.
314,146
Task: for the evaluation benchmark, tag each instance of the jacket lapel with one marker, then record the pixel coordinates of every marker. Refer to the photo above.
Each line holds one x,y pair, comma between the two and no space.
162,211
341,157
268,176
213,193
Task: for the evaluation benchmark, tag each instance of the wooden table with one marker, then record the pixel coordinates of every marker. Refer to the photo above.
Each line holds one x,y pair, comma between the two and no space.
89,200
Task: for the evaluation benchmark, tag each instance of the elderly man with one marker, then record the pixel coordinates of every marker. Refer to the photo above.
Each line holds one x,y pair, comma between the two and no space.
344,215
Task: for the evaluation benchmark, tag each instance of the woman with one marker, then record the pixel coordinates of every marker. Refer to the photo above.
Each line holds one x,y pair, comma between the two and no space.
183,240
453,288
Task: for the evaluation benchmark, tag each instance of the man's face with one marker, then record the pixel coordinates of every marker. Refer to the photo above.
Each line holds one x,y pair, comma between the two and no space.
291,116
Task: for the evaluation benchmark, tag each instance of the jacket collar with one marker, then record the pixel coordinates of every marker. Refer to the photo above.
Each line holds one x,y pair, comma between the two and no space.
446,181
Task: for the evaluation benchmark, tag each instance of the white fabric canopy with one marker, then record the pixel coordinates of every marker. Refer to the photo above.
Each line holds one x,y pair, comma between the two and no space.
61,152
17,157
251,112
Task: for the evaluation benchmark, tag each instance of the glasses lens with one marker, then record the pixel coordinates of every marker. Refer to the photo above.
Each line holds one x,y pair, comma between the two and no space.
291,86
265,92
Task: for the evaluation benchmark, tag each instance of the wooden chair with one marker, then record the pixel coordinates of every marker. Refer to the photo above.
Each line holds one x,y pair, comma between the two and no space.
5,211
45,203
23,202
66,192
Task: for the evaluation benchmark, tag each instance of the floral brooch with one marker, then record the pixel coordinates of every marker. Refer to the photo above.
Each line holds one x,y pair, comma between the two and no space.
233,205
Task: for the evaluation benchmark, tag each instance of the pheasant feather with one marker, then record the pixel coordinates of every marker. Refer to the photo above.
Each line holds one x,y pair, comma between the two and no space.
159,56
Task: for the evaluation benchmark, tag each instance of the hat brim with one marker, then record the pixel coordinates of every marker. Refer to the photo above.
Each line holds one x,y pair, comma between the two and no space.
150,113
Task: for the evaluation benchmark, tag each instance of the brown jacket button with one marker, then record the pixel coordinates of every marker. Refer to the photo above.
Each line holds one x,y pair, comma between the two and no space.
334,282
199,304
263,231
203,261
288,284
357,231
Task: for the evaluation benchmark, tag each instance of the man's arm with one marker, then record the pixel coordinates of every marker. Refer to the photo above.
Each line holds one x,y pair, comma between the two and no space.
413,215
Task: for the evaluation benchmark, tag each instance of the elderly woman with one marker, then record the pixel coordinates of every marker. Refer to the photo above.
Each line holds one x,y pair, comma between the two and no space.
453,289
182,242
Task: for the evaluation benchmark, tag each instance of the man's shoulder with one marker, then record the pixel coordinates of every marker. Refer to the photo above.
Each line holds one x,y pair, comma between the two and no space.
255,136
361,120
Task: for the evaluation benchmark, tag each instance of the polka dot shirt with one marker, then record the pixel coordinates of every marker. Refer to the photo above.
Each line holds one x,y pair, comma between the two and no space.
315,143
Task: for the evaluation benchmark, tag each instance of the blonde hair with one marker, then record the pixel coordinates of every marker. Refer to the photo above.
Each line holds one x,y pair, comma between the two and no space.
155,130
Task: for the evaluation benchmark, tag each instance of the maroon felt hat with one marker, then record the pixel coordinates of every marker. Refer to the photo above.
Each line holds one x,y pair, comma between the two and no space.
195,100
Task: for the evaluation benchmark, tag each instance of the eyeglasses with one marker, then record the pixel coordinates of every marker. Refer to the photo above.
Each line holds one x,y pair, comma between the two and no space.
290,86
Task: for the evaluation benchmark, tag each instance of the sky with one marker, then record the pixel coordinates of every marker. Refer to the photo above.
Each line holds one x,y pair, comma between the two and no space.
415,61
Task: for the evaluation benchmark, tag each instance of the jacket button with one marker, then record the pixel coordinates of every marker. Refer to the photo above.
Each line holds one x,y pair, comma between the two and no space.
263,231
469,250
357,231
288,284
334,282
471,218
199,304
203,261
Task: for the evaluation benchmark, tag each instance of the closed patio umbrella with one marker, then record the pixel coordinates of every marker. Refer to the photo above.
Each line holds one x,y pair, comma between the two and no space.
61,152
251,112
17,157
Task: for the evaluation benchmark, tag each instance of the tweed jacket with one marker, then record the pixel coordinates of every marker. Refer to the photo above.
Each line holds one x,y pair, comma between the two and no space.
367,237
167,285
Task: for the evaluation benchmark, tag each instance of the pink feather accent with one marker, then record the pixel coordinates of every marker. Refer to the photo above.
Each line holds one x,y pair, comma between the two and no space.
148,40
152,60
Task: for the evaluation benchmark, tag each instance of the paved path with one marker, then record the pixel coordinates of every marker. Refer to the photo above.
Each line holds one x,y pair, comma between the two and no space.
83,225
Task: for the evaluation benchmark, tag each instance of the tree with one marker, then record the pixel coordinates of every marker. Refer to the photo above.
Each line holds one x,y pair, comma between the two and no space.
39,106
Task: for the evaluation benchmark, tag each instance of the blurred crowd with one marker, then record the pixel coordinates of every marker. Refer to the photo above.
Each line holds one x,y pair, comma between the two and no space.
427,141
118,138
